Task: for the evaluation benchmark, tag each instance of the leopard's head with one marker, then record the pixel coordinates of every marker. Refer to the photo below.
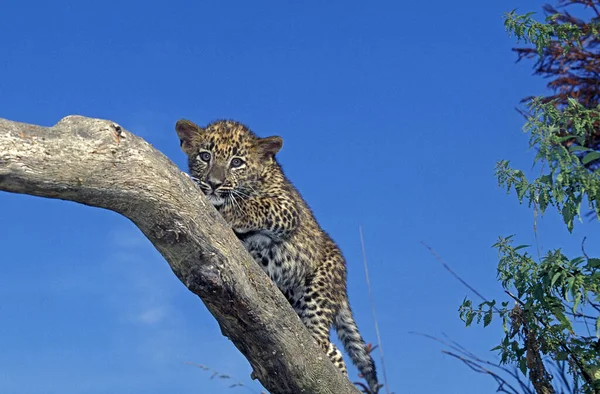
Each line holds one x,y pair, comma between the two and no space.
226,159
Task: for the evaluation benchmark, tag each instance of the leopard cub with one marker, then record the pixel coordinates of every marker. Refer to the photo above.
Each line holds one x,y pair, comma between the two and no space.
238,173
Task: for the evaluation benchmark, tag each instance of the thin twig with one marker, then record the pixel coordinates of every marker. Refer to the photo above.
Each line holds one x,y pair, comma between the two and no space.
476,364
362,244
583,248
461,280
215,373
577,314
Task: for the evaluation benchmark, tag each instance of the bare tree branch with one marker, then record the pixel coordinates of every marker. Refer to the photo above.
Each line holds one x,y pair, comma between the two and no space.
479,365
97,163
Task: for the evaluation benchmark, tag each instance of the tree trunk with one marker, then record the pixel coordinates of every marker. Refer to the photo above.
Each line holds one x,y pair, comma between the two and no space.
96,162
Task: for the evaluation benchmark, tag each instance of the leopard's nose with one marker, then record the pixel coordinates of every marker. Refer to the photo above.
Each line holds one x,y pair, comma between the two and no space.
214,184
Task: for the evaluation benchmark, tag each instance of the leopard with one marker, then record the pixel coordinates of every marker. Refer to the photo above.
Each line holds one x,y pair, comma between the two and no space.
238,173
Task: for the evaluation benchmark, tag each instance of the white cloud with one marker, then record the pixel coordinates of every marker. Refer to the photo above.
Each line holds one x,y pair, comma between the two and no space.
152,315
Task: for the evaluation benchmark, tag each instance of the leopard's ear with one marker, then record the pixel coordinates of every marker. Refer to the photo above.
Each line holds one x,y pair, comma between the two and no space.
269,146
188,133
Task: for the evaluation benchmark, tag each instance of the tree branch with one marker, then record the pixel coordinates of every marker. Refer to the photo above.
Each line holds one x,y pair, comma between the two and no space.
98,163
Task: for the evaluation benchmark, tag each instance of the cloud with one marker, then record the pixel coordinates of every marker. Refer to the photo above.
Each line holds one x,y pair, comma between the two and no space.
152,315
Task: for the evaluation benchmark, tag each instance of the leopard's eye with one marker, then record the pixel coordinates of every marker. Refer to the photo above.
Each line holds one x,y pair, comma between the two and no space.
236,162
204,156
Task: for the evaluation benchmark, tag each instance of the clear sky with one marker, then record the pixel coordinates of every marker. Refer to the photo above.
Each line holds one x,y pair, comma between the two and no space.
393,115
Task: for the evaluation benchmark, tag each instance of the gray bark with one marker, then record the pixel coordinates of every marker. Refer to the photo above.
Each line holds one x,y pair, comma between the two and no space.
96,162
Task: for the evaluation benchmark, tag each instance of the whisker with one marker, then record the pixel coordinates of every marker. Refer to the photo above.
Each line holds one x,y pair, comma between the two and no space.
234,204
240,193
249,193
237,204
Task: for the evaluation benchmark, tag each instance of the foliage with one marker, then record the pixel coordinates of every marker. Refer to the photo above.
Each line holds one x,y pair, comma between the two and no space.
524,27
557,305
565,50
555,317
573,170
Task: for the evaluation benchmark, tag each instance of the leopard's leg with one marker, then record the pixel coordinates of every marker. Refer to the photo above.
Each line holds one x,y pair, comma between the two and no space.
316,305
336,358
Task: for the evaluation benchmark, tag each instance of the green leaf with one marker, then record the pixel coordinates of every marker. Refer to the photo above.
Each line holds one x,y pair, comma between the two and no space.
576,302
562,318
570,284
568,214
577,261
565,138
598,327
590,157
593,263
555,278
575,148
538,293
547,179
523,366
521,188
573,102
487,319
469,319
561,356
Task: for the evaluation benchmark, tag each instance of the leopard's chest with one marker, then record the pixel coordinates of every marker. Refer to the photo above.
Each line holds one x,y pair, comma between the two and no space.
276,259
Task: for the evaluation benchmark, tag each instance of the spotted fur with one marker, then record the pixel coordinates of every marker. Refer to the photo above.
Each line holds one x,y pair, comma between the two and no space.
239,174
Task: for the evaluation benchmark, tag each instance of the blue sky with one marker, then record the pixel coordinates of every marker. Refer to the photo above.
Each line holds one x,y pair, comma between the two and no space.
393,115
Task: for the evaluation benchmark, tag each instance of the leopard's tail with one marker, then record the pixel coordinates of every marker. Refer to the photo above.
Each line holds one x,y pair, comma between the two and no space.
355,346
